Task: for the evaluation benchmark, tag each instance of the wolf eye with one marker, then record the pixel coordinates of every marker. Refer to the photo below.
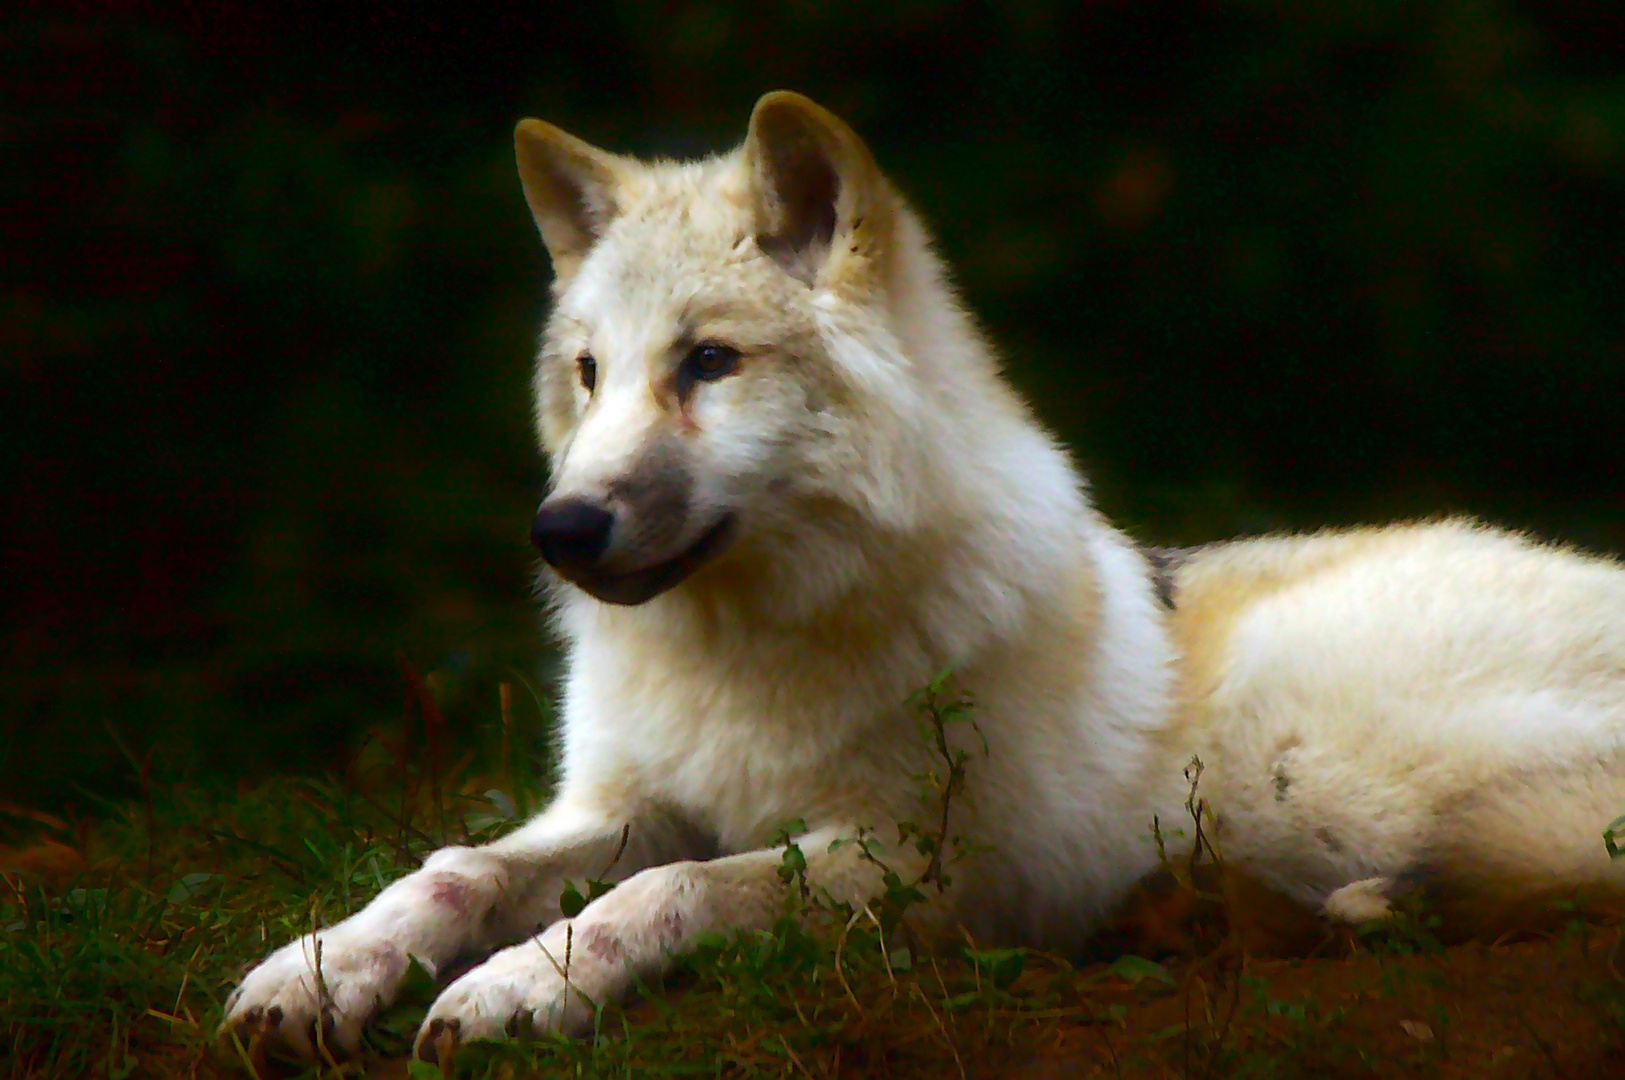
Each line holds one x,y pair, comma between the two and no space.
587,367
709,360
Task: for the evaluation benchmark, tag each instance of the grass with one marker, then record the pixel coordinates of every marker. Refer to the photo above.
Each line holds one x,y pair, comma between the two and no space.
123,930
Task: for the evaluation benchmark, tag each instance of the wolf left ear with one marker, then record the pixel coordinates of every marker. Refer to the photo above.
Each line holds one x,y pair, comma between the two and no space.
813,181
570,186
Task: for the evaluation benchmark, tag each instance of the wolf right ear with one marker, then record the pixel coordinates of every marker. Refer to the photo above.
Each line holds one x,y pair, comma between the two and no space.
570,186
813,180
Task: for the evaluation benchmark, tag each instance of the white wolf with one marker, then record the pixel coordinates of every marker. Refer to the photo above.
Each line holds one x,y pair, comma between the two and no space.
790,487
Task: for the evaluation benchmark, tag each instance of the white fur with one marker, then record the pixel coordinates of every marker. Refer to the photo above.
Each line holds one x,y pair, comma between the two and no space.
901,515
1360,901
1411,669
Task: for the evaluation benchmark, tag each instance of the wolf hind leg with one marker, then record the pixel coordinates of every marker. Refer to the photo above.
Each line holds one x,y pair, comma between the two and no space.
1520,852
1523,851
1527,848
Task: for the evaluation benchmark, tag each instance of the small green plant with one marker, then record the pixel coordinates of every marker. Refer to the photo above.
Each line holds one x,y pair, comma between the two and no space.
793,864
1613,838
572,900
1212,984
938,710
1411,929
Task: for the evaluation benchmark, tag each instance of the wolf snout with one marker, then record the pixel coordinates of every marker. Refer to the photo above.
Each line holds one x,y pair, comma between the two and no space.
571,531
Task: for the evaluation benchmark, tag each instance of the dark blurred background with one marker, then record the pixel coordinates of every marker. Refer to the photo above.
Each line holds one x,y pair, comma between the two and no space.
268,295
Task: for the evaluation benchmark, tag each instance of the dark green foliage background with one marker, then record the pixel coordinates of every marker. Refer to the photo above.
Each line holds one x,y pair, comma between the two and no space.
268,293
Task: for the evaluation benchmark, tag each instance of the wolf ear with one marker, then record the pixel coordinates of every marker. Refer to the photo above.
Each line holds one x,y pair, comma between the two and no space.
813,181
570,186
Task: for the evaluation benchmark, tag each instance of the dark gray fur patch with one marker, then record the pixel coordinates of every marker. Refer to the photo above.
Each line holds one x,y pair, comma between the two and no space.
653,500
1165,564
1282,783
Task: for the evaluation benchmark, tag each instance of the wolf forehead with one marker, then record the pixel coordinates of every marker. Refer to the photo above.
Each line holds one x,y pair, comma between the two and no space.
681,250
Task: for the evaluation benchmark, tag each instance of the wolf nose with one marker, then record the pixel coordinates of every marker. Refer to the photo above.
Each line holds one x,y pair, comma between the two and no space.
571,531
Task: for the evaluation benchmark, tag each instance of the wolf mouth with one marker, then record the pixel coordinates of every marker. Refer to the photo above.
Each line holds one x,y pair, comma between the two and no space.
638,586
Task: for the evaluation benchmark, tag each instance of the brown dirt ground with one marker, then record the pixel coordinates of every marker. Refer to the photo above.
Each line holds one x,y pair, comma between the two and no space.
1535,1008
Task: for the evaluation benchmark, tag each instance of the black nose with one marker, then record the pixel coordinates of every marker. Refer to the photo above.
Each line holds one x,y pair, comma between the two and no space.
571,531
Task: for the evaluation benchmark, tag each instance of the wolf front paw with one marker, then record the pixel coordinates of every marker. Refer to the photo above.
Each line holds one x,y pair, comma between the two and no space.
520,988
293,1005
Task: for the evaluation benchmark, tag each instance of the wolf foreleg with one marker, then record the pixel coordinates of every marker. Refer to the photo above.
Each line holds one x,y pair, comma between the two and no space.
462,901
555,980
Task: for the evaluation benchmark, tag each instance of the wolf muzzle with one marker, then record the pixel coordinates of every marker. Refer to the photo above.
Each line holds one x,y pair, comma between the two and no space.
573,534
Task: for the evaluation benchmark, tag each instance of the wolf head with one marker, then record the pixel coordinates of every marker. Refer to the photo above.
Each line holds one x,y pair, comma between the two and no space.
731,370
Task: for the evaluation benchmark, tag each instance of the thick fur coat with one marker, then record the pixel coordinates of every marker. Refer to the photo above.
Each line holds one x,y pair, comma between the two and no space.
790,488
